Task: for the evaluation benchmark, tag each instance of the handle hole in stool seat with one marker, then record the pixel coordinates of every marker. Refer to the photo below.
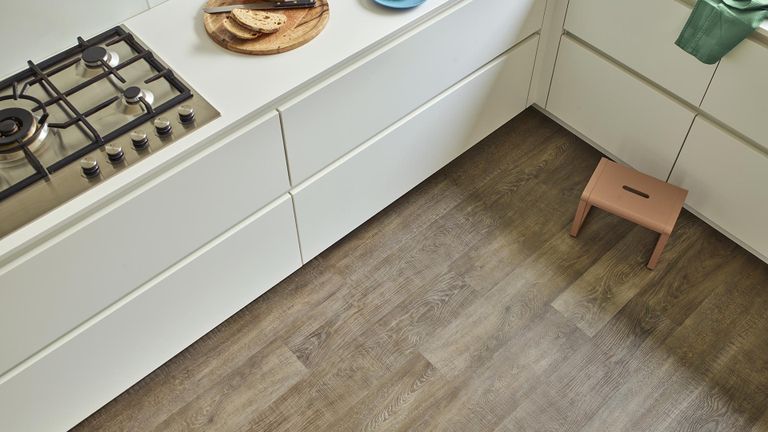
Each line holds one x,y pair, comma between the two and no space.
635,191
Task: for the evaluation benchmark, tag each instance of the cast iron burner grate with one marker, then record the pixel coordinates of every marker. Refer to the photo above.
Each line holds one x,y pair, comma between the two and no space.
93,55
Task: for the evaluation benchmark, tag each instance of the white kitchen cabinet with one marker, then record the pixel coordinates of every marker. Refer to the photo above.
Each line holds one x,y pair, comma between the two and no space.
51,290
727,182
641,35
343,196
620,113
738,95
108,354
349,108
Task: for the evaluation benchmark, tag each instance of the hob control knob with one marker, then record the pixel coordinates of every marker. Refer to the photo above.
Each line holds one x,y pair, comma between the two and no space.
186,114
114,152
163,126
139,140
90,167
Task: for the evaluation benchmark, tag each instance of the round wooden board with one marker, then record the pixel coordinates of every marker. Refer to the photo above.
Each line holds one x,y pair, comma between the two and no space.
301,27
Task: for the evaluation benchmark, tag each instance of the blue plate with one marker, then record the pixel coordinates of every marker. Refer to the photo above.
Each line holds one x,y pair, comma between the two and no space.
400,4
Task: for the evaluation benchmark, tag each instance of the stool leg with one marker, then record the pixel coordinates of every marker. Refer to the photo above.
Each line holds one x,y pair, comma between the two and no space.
581,215
663,238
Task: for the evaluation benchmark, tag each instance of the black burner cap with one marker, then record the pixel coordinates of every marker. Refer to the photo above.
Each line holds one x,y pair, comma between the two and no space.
94,55
15,124
132,93
8,127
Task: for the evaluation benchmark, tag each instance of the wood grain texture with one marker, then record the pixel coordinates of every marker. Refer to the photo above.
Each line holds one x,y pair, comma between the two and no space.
609,284
254,385
480,400
466,306
302,26
387,404
762,424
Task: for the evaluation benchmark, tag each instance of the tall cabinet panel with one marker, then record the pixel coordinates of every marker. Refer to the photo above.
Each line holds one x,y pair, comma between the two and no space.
622,114
727,181
620,28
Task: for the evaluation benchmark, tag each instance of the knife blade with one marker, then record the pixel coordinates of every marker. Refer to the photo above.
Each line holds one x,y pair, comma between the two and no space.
263,5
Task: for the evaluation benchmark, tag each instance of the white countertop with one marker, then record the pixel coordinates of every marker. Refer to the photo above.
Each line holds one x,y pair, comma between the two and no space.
241,87
237,84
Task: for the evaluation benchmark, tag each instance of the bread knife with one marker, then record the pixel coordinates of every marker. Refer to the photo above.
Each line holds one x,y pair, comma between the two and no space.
262,5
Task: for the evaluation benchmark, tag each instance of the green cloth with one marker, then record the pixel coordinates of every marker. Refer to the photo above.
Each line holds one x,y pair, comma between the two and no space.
715,27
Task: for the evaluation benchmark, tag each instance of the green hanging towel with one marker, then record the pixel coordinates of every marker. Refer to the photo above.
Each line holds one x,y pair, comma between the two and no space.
716,26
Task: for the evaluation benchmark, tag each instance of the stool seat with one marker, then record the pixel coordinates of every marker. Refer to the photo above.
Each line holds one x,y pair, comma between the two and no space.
634,196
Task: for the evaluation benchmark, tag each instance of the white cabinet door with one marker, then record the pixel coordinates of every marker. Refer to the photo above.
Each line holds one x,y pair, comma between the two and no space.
88,368
641,35
343,196
621,114
345,111
738,95
55,288
727,182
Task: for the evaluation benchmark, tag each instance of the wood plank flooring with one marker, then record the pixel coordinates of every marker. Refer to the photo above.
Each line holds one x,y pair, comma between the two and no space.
465,306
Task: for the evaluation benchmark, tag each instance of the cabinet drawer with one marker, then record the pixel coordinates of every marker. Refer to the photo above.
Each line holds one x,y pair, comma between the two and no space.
338,199
631,120
48,292
726,179
351,107
621,29
738,92
97,363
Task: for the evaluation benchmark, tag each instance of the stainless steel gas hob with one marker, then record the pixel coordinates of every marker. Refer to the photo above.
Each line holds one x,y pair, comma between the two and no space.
84,115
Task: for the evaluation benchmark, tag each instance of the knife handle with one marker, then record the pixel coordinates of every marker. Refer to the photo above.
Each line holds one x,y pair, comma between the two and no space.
263,5
288,4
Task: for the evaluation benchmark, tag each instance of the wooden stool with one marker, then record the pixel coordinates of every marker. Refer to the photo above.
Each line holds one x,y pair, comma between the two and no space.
634,196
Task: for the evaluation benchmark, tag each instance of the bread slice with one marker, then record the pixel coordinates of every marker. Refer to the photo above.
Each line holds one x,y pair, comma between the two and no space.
260,21
239,31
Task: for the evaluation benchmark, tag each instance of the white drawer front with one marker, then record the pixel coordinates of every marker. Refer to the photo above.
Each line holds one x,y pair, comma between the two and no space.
349,109
47,293
727,182
99,362
641,35
738,95
626,117
333,203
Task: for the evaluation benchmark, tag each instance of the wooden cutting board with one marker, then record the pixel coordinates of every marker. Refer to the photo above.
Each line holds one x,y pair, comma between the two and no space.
301,27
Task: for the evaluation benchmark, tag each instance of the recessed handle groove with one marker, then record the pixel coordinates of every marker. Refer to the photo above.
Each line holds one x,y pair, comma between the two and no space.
635,191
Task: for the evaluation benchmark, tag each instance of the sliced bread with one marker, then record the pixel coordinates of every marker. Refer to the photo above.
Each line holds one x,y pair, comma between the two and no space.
260,21
239,31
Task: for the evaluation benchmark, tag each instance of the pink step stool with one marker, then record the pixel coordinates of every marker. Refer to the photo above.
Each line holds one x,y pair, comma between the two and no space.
634,196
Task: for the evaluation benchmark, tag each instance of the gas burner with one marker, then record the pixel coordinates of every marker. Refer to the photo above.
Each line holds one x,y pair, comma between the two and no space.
96,56
16,124
134,99
19,128
133,95
94,60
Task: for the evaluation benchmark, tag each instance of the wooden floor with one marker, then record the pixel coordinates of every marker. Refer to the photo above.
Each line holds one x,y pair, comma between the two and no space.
465,306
